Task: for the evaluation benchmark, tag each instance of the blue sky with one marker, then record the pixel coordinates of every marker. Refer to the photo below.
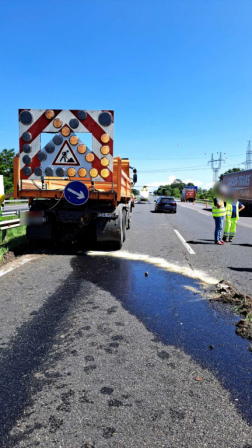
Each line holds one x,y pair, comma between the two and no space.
177,73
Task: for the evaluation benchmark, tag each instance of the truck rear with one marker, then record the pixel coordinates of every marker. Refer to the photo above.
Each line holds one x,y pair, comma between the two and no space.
189,194
241,181
75,192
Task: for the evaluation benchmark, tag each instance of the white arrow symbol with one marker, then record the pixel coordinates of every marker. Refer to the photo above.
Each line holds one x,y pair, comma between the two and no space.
79,195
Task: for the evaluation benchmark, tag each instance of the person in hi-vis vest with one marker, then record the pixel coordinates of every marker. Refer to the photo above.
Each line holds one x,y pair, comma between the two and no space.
2,198
233,208
219,211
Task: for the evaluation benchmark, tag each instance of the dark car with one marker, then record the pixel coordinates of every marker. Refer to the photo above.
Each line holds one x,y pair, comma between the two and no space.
166,204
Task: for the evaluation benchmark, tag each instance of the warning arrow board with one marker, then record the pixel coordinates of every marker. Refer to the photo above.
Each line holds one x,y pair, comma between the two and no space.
66,156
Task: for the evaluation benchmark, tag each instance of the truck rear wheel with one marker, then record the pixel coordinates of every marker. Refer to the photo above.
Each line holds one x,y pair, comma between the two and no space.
128,220
124,220
117,245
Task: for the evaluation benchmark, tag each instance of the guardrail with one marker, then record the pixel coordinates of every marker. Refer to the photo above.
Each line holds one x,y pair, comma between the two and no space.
13,212
6,225
16,200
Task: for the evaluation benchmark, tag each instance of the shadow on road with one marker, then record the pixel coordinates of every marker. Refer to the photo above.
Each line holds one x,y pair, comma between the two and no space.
198,242
25,355
240,269
203,239
244,245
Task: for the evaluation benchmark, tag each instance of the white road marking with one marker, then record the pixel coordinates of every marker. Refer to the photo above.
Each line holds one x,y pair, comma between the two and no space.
184,242
17,263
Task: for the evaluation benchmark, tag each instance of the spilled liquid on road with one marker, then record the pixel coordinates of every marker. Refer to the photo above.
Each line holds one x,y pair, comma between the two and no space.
173,307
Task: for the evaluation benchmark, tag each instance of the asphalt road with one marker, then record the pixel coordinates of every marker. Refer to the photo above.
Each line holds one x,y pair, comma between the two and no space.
96,354
232,262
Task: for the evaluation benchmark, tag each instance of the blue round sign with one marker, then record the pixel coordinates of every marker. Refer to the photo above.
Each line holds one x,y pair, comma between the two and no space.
76,193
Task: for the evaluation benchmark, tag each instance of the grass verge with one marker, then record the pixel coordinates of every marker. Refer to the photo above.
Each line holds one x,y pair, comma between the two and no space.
14,243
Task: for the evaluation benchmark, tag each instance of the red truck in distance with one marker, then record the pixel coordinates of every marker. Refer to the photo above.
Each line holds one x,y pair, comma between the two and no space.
189,194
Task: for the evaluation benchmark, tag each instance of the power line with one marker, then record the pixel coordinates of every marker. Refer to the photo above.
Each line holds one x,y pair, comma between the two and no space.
196,168
177,158
165,170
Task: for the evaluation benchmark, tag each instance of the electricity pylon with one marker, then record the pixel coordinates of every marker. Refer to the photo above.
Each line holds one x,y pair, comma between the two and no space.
216,166
248,162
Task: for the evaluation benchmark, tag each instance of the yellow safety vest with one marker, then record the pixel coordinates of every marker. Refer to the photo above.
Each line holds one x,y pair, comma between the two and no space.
229,209
2,198
218,212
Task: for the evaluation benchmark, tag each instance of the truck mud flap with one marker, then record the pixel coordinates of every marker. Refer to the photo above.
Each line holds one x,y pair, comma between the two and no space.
109,230
39,232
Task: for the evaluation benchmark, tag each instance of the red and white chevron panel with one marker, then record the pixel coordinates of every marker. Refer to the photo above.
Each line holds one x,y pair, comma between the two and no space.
64,151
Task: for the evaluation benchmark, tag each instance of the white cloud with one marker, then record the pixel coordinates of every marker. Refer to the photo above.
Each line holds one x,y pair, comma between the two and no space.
165,182
210,185
195,182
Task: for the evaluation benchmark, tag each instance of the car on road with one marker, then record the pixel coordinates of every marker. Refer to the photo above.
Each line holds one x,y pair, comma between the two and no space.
166,204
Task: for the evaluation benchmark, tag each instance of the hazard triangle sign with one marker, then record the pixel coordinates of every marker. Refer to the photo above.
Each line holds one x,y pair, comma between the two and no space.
66,156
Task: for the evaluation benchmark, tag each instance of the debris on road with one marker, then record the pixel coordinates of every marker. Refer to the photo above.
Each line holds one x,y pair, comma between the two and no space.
244,329
242,303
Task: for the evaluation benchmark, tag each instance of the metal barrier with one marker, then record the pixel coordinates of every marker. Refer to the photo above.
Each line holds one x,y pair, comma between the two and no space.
6,225
16,200
14,212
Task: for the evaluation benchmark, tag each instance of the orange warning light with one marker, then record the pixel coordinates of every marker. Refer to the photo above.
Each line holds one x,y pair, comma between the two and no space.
105,138
71,172
74,140
105,172
65,131
105,150
57,123
82,149
105,161
49,114
93,172
90,157
82,172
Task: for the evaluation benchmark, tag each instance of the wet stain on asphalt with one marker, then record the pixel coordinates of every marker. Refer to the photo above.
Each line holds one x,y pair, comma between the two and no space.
177,316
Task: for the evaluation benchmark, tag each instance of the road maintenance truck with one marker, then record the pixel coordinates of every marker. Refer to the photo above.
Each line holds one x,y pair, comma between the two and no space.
74,191
189,194
241,181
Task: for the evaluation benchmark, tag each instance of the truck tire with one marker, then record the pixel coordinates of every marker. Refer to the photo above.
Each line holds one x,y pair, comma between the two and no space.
117,245
128,220
124,220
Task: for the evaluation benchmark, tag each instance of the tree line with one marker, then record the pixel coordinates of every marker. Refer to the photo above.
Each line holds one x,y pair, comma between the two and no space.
175,189
6,168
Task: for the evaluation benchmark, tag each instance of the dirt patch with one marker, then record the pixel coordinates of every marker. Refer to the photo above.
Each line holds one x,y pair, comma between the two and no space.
7,257
242,303
17,251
